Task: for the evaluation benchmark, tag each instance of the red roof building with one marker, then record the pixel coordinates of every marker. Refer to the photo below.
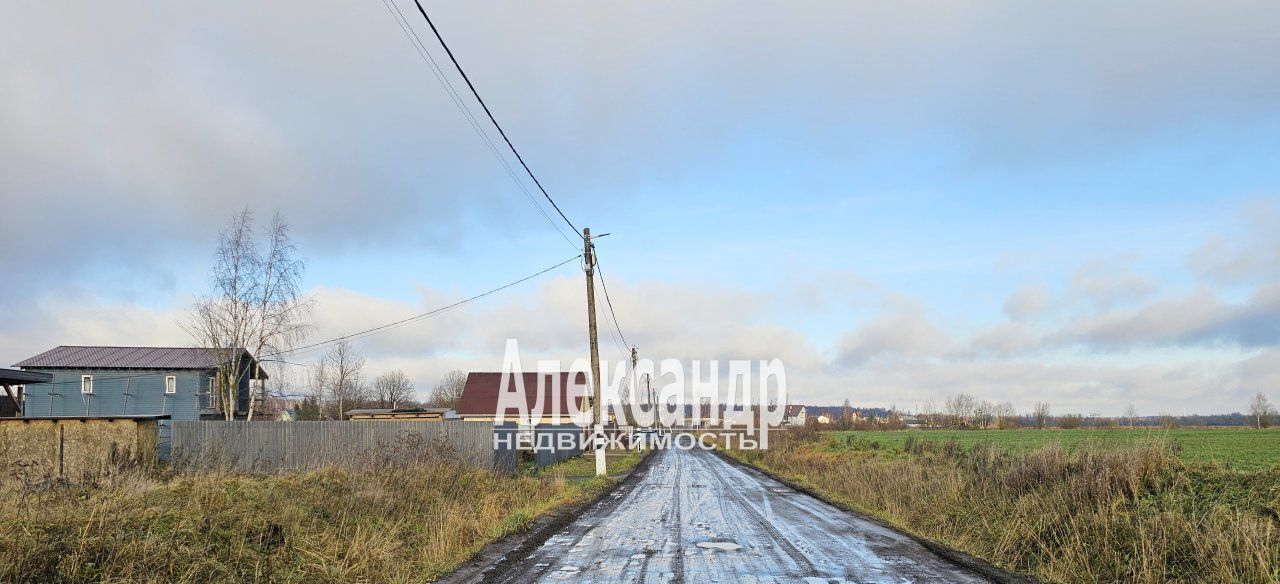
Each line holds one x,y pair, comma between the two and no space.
546,396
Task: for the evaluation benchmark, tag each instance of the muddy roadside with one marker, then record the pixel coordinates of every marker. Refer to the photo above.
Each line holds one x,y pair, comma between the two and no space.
495,559
974,563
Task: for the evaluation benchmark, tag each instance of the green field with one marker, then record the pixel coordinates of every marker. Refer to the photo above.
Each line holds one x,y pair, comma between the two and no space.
1242,448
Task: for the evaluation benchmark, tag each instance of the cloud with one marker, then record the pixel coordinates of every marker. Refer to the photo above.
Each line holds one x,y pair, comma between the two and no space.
1109,283
1005,338
903,331
137,113
1261,373
129,131
1027,302
1198,317
76,319
1250,255
1081,384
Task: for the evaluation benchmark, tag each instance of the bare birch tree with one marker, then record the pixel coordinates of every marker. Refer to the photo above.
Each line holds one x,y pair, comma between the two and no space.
984,414
1006,415
393,388
960,409
1261,411
254,305
340,371
1041,415
1131,415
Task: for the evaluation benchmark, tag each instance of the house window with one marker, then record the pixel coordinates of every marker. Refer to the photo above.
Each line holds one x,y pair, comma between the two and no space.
171,384
86,384
211,397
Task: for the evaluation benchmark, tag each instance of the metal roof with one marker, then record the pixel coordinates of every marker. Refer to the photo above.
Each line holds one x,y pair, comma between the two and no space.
480,394
83,418
79,357
16,377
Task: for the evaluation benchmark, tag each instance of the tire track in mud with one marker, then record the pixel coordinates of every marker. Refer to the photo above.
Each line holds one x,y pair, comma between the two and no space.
639,534
677,530
781,540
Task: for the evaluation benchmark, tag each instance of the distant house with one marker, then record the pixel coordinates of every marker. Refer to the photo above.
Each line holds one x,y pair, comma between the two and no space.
834,414
180,383
545,395
795,415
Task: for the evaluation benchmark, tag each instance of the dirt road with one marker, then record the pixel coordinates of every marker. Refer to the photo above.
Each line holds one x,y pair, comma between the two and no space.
694,517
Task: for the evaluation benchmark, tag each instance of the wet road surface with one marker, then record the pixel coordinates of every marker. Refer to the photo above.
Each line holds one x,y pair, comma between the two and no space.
694,517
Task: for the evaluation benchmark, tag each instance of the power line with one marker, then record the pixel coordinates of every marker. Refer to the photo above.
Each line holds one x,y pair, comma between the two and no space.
609,302
614,333
402,322
267,357
438,73
490,114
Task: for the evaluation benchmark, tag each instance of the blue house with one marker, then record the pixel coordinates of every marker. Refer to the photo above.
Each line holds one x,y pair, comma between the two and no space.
129,381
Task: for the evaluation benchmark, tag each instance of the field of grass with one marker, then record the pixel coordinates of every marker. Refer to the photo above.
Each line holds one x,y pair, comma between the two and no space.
1128,509
1240,448
403,524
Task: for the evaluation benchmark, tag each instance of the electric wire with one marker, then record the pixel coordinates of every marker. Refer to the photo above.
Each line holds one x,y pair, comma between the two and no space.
608,302
394,10
489,113
268,357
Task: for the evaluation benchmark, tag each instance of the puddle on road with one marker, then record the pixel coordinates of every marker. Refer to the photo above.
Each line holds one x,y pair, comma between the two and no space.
727,546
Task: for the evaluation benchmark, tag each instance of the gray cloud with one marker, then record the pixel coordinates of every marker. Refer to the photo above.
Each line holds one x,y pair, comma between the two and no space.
1006,338
898,356
1199,317
1249,254
130,130
145,113
1108,283
902,331
1027,302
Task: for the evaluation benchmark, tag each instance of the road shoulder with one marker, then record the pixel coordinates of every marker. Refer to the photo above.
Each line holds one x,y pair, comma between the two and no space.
495,559
970,562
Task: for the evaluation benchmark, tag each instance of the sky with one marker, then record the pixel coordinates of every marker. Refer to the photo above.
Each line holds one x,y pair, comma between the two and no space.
1077,204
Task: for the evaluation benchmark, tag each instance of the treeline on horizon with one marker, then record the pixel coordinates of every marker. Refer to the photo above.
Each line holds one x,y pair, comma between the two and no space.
962,411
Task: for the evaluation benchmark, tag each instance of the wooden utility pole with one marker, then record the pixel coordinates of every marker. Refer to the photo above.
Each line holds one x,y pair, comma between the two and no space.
597,421
653,399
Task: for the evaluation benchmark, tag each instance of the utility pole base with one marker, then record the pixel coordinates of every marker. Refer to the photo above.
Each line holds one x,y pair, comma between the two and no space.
600,459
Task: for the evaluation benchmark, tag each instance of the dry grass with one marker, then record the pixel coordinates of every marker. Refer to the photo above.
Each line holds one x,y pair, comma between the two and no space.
406,523
1134,513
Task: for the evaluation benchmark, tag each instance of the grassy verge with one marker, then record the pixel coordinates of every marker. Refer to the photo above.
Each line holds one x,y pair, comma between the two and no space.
1132,512
584,467
405,524
1240,448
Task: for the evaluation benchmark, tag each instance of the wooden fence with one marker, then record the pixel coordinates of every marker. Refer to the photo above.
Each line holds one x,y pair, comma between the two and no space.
272,446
